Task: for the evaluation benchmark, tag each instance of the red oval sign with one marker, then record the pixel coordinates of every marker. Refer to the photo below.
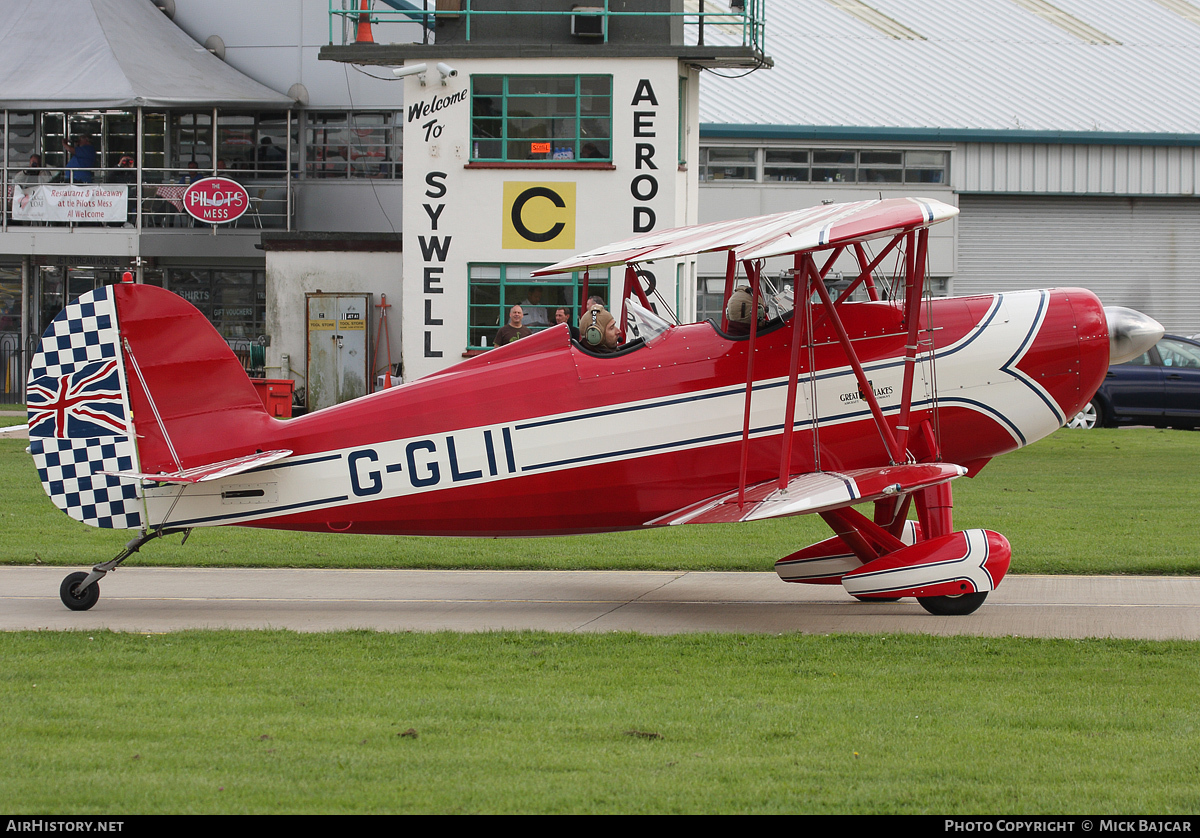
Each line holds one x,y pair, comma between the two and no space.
216,200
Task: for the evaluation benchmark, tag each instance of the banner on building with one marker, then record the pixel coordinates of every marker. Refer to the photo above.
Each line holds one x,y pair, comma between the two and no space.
75,202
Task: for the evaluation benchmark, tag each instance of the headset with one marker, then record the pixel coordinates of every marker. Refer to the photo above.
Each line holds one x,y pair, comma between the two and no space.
594,335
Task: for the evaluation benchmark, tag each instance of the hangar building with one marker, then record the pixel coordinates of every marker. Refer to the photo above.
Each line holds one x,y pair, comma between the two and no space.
1066,132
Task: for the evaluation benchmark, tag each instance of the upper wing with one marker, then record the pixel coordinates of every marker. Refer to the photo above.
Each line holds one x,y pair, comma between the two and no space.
814,228
813,492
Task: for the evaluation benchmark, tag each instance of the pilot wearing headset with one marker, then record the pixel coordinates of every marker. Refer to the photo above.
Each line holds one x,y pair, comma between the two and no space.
598,330
740,310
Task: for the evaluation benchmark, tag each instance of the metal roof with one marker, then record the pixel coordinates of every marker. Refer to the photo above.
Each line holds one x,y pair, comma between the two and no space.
985,70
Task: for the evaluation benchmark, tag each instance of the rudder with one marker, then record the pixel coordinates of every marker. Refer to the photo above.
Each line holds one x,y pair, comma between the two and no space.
133,378
79,417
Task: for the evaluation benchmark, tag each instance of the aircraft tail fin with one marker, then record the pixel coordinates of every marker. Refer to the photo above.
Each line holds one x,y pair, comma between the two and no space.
133,380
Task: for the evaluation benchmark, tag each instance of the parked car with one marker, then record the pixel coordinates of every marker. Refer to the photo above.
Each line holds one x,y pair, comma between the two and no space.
1160,387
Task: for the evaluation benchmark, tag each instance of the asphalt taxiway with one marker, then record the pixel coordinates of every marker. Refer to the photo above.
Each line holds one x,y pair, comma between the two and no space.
652,602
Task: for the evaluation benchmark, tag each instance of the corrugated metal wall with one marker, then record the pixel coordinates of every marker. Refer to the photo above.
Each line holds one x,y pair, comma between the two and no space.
1143,253
1076,169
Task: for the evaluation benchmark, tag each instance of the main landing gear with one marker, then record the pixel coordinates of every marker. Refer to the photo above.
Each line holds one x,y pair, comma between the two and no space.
79,591
949,573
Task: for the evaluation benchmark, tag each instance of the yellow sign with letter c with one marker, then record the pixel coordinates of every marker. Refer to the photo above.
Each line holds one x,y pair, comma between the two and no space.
539,216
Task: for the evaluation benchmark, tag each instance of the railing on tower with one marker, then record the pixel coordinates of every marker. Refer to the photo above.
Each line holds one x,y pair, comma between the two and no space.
724,22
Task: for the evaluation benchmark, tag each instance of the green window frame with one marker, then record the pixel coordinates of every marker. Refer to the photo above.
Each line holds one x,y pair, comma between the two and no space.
541,119
495,287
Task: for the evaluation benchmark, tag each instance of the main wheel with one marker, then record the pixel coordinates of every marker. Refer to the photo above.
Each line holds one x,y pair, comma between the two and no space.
1092,416
68,591
952,606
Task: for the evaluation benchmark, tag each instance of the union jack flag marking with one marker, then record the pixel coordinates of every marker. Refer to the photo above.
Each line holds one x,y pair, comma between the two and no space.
84,403
79,426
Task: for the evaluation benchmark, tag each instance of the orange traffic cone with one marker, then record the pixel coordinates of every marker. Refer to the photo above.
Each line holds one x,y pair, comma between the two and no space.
364,26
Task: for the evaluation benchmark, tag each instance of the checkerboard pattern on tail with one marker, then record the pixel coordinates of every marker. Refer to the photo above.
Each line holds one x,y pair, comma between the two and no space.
79,416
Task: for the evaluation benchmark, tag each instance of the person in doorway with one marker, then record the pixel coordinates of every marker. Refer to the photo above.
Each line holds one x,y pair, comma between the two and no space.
513,329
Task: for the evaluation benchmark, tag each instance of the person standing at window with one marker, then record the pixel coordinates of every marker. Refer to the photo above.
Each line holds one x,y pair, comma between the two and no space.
82,158
563,315
512,330
531,306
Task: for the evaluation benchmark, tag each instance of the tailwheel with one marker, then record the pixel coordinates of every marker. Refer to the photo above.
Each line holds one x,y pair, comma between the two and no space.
75,599
81,600
952,606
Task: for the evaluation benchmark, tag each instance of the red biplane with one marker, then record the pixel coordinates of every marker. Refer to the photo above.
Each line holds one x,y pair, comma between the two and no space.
142,418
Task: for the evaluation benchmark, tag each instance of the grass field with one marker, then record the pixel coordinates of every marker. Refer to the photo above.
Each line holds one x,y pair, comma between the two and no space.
1084,502
527,722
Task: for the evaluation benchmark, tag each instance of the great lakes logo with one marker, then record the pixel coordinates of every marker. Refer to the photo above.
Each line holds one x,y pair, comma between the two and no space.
858,395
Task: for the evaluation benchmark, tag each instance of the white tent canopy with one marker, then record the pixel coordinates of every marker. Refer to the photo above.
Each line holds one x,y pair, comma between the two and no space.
88,54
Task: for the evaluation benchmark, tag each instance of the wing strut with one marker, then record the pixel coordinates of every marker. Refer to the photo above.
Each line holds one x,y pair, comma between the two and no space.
753,271
867,539
912,315
867,268
895,453
730,276
800,292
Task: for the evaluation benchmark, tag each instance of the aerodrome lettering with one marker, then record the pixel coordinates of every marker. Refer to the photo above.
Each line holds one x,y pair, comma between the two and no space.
644,187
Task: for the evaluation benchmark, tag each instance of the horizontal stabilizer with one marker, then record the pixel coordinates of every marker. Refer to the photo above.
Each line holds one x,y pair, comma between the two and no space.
813,492
212,471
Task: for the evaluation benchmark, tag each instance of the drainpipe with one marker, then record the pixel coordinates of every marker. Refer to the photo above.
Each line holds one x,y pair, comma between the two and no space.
25,261
287,206
137,189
